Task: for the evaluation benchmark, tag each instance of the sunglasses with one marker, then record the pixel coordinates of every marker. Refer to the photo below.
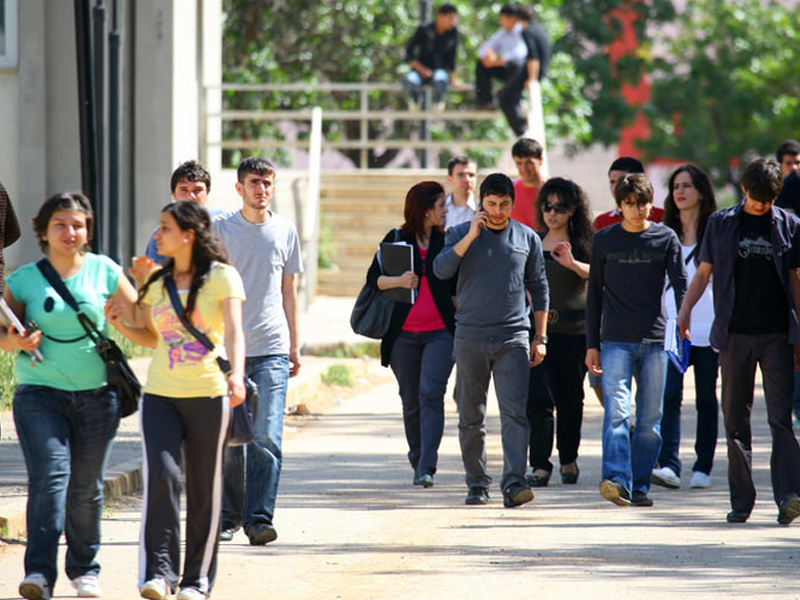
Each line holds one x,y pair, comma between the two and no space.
560,209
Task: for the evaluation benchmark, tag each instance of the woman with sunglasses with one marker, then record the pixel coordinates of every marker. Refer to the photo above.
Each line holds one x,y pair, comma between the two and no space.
689,203
557,383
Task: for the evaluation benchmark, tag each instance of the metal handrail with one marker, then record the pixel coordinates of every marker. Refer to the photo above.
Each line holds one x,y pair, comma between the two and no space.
362,113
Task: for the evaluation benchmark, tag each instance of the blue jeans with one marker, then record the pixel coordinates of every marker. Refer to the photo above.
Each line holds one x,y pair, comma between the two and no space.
65,438
631,462
261,464
706,364
422,362
507,359
440,83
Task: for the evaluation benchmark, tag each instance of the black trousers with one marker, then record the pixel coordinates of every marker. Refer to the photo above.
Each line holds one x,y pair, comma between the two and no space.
198,426
557,384
514,76
738,361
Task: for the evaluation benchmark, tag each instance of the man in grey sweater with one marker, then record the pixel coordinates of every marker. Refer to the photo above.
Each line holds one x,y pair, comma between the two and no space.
496,259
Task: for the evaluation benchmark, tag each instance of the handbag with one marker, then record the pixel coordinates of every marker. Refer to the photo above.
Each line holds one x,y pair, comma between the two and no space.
372,312
119,374
242,428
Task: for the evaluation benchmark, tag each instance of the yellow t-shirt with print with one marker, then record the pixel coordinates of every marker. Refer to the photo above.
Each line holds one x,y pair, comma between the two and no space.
182,367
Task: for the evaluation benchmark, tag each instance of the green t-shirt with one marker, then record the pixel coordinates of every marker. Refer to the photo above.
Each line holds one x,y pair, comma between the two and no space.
71,361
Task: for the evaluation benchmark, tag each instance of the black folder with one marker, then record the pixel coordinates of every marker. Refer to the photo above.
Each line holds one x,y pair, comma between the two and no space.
396,259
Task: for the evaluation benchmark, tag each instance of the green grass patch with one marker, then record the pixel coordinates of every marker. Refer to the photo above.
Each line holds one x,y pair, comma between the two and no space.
344,350
8,381
337,375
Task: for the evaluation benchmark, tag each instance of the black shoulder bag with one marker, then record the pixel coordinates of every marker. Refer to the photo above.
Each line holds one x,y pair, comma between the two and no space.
243,417
372,311
119,374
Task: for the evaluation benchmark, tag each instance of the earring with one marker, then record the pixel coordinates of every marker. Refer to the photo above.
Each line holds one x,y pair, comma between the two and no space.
185,240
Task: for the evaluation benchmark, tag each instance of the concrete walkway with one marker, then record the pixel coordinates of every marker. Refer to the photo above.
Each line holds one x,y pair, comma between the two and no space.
352,526
322,325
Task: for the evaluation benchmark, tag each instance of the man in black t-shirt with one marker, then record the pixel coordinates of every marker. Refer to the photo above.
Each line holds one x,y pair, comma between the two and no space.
625,326
753,250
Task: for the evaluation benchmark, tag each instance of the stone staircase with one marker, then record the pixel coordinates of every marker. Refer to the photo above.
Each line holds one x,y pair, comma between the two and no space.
357,209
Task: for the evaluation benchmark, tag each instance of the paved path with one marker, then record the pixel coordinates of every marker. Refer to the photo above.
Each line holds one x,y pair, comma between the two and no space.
352,526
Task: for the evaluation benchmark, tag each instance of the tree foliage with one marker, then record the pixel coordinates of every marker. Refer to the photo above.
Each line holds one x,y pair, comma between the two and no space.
338,41
727,86
723,73
590,27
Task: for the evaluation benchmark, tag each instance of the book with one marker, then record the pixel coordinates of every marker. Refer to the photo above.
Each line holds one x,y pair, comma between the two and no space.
678,348
9,318
397,258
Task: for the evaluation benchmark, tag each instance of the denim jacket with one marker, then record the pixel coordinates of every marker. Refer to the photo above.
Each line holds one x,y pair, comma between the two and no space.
719,248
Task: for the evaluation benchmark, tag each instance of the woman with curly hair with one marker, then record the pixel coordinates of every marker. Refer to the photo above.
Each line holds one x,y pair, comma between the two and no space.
557,383
689,203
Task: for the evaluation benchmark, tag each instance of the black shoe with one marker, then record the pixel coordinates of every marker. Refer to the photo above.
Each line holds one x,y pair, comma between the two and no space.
788,510
516,494
537,480
226,535
737,516
477,495
640,499
424,479
613,491
261,534
569,478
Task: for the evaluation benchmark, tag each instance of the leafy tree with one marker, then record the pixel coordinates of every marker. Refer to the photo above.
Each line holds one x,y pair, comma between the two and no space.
727,84
589,29
339,41
723,74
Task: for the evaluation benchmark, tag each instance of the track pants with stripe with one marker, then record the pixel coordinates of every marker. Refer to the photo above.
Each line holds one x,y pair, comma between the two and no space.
197,426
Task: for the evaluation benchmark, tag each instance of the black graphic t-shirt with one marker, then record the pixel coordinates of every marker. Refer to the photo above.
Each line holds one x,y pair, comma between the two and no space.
760,304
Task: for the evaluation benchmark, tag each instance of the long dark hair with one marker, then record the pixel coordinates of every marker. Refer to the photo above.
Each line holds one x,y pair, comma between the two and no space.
580,225
190,215
419,200
708,202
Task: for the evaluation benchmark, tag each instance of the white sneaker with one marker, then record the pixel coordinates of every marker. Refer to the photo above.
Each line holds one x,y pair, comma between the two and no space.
87,586
190,593
154,589
439,106
412,106
666,477
35,587
700,480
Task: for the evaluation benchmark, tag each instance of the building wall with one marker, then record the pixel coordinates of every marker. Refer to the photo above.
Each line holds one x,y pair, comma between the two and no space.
165,63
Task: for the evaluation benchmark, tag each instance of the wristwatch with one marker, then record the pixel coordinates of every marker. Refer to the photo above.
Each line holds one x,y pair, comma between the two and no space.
541,338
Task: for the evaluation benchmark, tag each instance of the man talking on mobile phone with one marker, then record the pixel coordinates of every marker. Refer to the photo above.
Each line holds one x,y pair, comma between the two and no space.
496,259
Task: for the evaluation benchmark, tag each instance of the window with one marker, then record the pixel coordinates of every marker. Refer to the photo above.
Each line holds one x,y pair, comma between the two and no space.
9,32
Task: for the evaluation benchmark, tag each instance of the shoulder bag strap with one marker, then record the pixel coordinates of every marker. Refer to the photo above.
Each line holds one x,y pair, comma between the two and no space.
175,299
54,279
